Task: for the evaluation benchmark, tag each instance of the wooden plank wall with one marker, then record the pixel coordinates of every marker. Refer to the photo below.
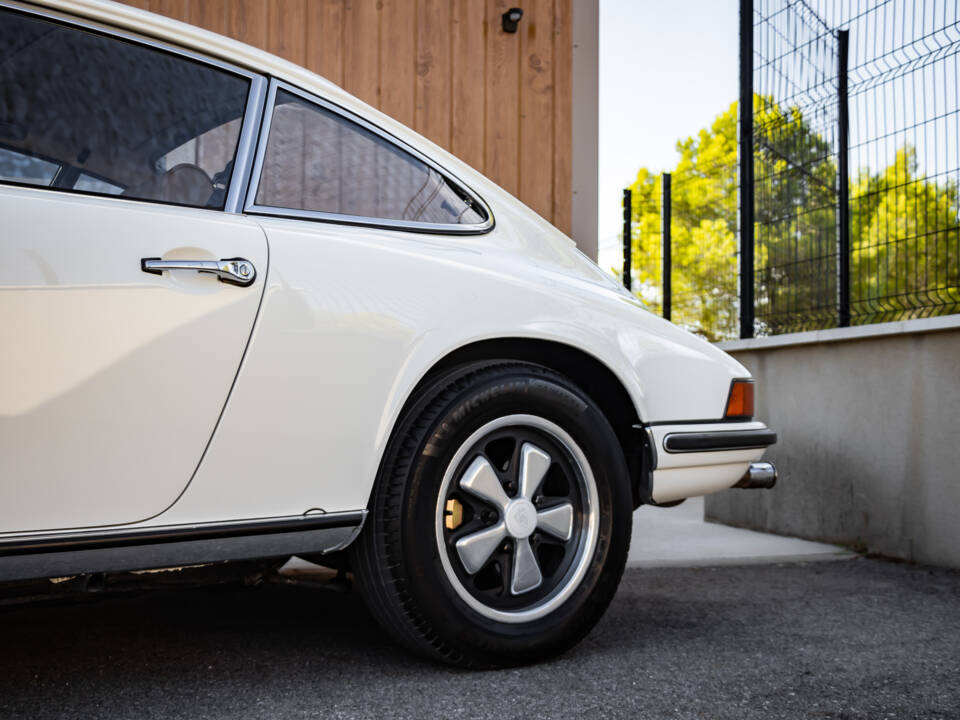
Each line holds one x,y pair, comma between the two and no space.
500,101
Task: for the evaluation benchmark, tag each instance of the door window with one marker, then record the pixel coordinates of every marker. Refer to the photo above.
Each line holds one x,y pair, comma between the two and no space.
85,112
320,161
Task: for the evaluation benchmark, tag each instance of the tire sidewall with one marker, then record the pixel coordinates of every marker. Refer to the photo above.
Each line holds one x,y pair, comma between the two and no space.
521,391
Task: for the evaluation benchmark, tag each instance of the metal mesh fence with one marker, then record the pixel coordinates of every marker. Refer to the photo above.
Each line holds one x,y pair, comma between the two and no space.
849,209
701,207
795,108
646,241
704,251
905,118
892,251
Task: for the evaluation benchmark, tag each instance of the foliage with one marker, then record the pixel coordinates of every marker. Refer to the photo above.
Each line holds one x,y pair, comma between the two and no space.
904,228
795,227
905,243
704,201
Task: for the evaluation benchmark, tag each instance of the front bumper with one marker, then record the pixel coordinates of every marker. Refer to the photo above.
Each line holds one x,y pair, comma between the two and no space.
702,458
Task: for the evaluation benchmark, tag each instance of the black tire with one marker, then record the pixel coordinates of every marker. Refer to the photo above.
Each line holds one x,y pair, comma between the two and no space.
397,559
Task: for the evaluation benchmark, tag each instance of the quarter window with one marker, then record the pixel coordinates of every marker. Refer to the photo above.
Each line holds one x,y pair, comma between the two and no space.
320,161
84,112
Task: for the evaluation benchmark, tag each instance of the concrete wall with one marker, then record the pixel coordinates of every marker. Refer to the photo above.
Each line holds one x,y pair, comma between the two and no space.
869,438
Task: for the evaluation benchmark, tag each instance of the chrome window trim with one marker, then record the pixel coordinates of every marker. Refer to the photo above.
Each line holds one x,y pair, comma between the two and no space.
341,219
256,95
246,145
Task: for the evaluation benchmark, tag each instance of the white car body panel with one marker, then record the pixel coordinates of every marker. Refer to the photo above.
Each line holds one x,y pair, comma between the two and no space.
352,319
101,420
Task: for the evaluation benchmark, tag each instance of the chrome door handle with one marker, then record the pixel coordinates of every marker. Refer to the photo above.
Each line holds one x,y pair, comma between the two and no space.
236,271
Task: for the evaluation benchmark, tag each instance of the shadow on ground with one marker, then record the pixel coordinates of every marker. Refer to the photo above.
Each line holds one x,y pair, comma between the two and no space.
854,639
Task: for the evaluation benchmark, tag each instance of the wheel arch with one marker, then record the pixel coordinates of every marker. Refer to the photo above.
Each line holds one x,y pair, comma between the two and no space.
590,374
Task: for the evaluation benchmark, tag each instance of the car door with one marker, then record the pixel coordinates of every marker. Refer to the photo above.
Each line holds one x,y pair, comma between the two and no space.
366,240
127,294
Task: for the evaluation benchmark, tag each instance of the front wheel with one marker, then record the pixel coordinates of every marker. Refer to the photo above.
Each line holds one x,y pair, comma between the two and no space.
500,520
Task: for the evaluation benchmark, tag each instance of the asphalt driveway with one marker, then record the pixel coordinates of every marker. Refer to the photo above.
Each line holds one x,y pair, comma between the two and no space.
850,639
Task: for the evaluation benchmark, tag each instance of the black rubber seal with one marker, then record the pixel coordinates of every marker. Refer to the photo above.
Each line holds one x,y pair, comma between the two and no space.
718,440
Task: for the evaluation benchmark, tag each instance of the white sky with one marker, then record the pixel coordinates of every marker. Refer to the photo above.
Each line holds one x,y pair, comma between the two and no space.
667,68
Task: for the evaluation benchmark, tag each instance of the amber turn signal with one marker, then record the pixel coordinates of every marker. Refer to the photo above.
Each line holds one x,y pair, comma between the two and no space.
740,402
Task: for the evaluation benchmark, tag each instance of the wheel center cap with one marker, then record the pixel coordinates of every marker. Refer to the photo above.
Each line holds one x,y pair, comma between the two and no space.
520,518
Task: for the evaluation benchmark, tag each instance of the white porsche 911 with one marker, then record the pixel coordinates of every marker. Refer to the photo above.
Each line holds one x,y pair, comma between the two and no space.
244,315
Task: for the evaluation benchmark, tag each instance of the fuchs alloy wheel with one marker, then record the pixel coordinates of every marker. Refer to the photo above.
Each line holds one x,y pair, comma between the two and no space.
500,520
517,518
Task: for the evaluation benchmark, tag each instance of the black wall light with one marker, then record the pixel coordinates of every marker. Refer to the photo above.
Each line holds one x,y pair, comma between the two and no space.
510,19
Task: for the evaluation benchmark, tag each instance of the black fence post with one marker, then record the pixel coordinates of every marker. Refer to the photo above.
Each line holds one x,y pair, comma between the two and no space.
627,236
745,146
665,215
843,179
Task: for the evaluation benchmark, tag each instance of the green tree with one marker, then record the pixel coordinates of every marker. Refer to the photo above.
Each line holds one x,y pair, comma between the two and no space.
905,232
905,243
795,229
704,225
